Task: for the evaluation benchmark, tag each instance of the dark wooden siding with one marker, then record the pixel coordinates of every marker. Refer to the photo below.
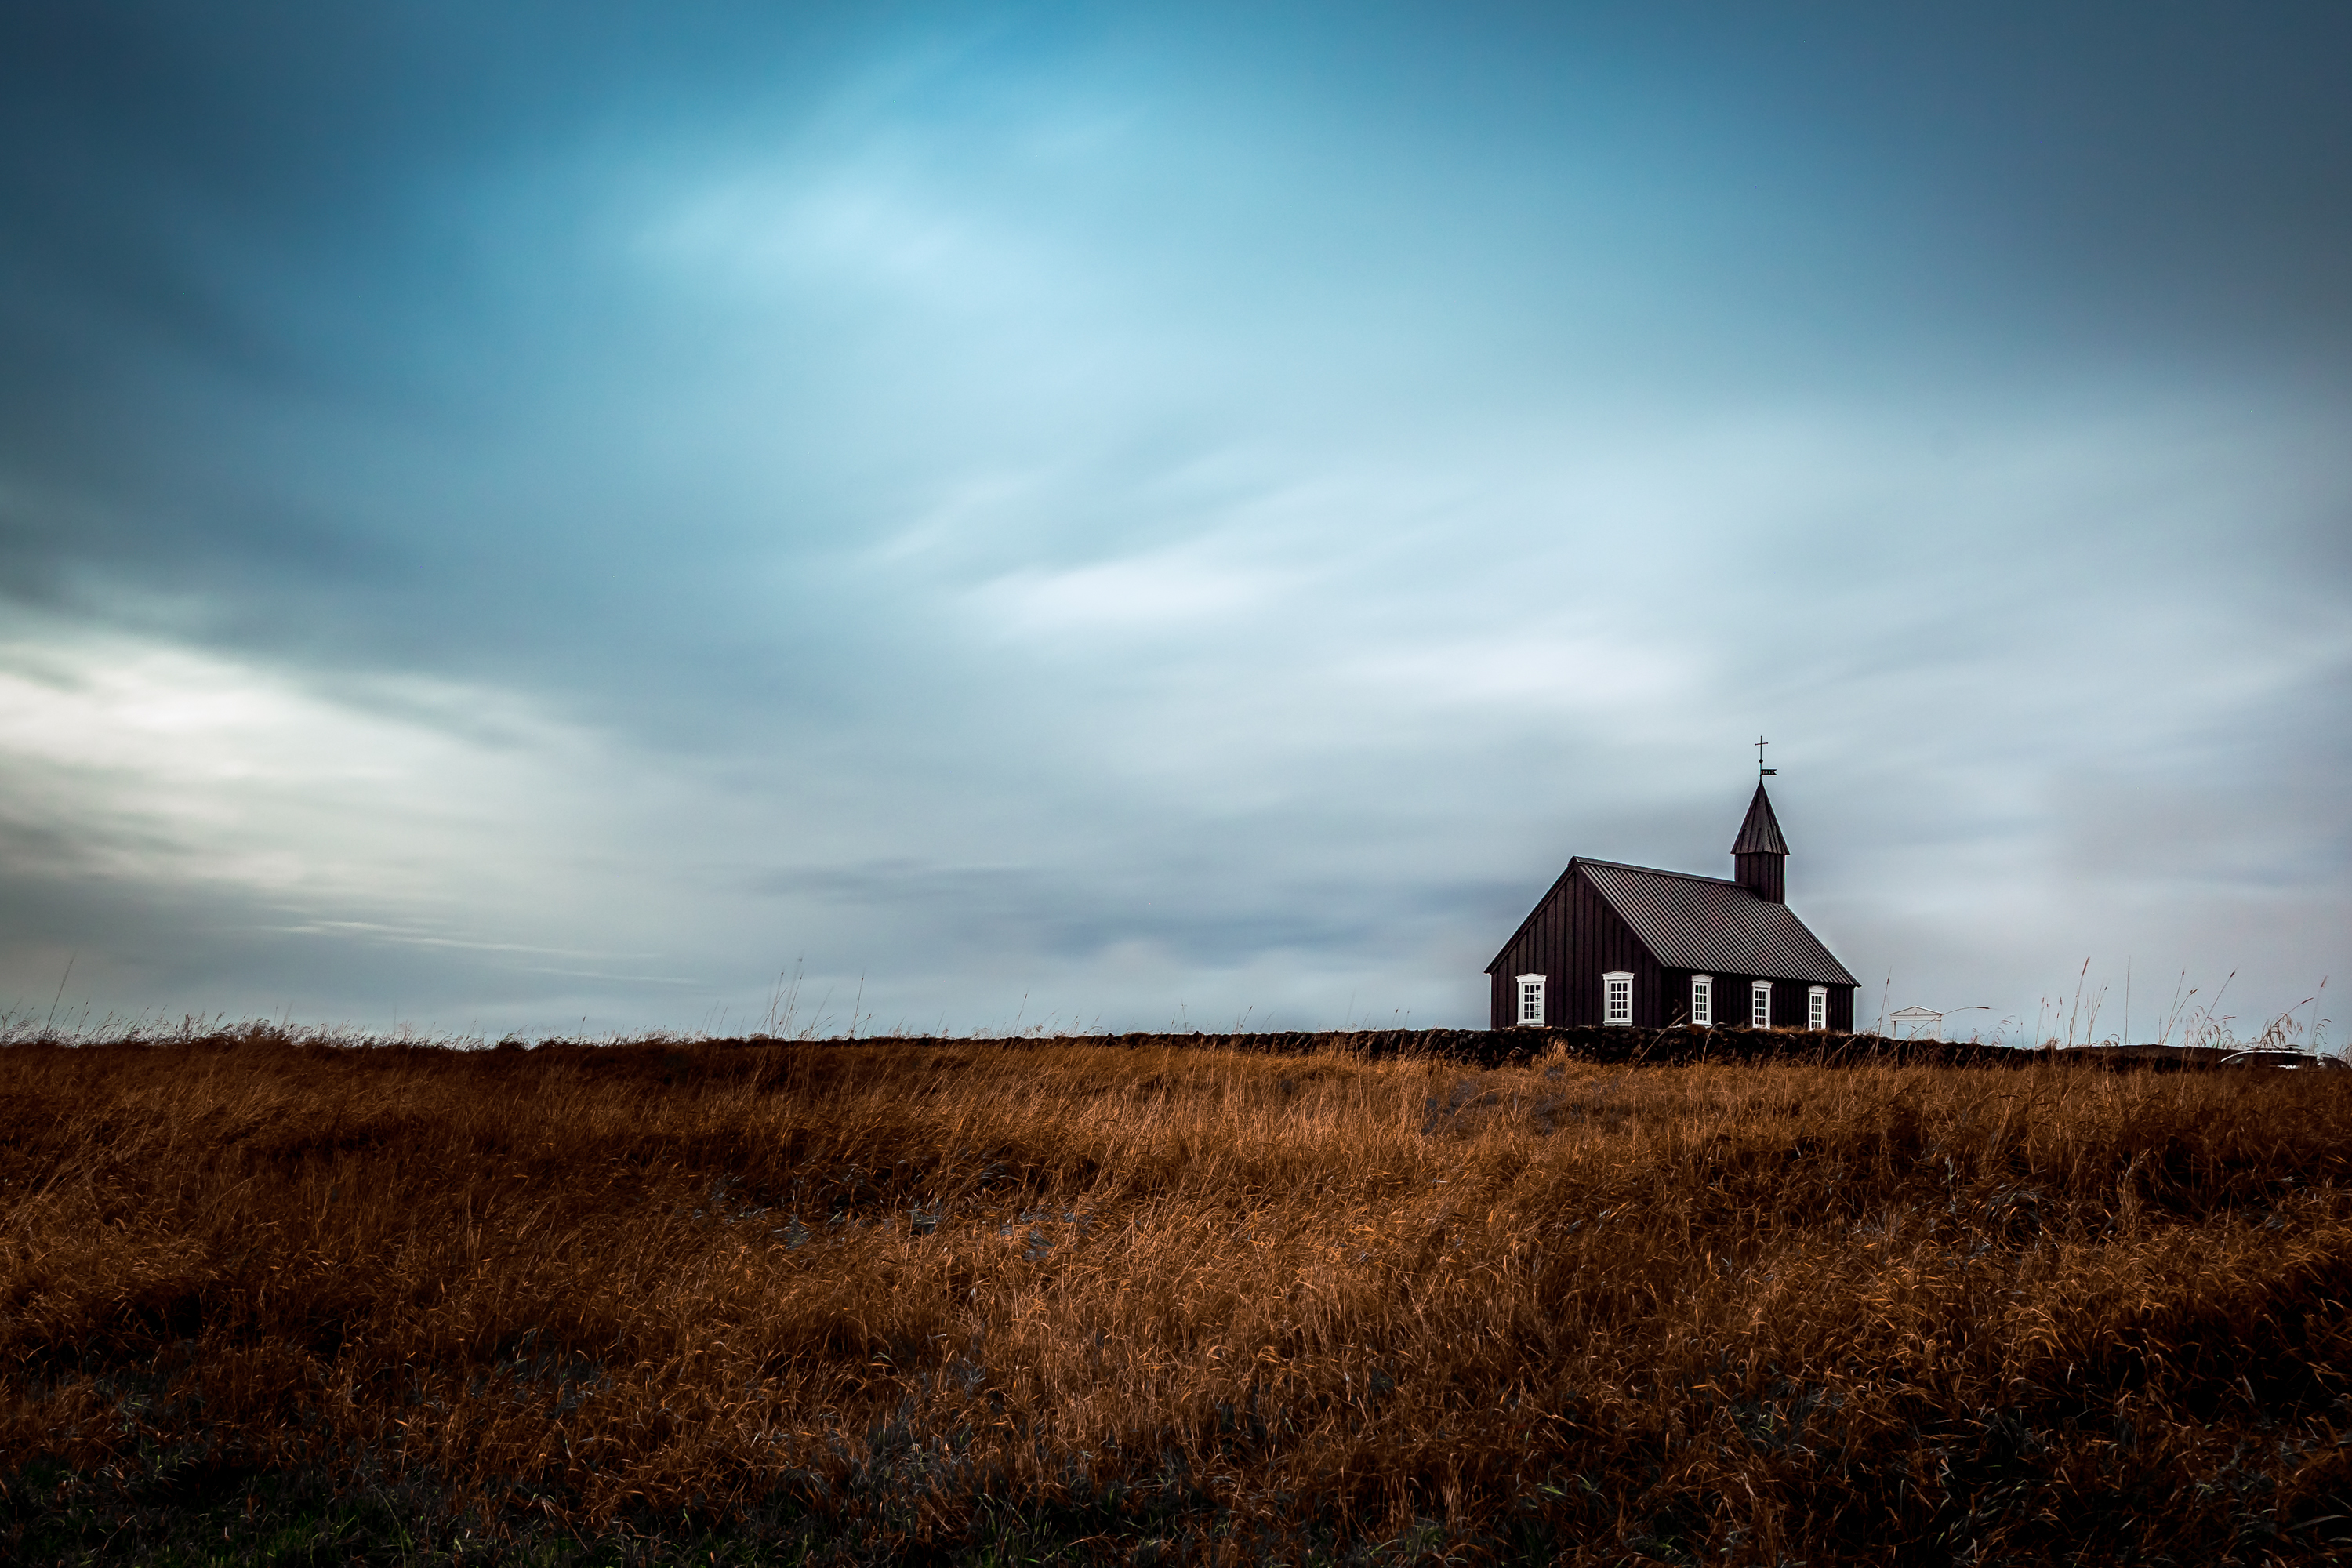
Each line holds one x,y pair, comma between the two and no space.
1787,1001
1731,1001
1573,941
1766,876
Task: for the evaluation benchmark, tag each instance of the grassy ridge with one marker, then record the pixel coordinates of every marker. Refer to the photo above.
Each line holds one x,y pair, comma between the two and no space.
972,1300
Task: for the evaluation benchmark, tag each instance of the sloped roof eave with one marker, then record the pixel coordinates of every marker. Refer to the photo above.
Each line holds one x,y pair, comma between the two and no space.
1709,923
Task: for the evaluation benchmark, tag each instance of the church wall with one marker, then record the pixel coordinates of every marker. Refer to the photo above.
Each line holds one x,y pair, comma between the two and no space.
1574,939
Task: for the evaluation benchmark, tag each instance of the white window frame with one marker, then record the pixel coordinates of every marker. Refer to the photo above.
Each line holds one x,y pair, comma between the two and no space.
1609,996
1759,1001
1703,1001
1531,990
1817,1007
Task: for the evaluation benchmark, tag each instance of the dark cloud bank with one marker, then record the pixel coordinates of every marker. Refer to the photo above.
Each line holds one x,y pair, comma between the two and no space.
550,520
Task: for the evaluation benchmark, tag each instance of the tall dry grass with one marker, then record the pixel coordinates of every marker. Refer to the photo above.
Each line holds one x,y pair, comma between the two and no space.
923,1299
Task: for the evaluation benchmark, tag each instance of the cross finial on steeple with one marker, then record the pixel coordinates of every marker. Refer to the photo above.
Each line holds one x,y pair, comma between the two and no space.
1762,771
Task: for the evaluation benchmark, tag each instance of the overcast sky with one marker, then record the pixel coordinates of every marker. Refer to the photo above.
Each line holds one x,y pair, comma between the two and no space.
547,518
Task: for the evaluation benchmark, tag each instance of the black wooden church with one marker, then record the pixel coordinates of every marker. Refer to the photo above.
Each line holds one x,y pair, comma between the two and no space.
1630,945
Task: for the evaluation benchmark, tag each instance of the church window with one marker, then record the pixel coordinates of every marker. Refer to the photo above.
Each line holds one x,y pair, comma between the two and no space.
1531,999
1617,997
1817,1007
1760,1003
1703,1000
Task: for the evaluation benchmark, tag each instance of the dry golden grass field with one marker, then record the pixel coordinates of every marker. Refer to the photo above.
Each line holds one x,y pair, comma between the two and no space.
1000,1301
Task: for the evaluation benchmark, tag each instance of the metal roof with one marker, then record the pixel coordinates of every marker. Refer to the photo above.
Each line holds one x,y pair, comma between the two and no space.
1708,923
1760,834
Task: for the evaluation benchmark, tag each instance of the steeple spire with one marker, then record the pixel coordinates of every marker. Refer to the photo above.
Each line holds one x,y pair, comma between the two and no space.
1760,852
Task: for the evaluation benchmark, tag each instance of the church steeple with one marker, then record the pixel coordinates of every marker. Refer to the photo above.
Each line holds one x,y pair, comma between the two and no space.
1760,852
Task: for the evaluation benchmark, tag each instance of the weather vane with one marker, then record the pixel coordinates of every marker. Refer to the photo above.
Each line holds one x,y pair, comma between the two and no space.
1762,771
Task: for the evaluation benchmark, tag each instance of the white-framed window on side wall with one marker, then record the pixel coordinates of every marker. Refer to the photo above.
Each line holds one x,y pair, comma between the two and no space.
1817,1007
1531,999
1760,1003
1703,1001
1617,996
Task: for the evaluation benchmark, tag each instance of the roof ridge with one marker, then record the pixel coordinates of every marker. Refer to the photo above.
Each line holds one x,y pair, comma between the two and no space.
1662,871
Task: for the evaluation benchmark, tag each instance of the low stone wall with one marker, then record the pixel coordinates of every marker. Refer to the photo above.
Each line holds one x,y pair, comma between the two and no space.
1650,1048
1495,1047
